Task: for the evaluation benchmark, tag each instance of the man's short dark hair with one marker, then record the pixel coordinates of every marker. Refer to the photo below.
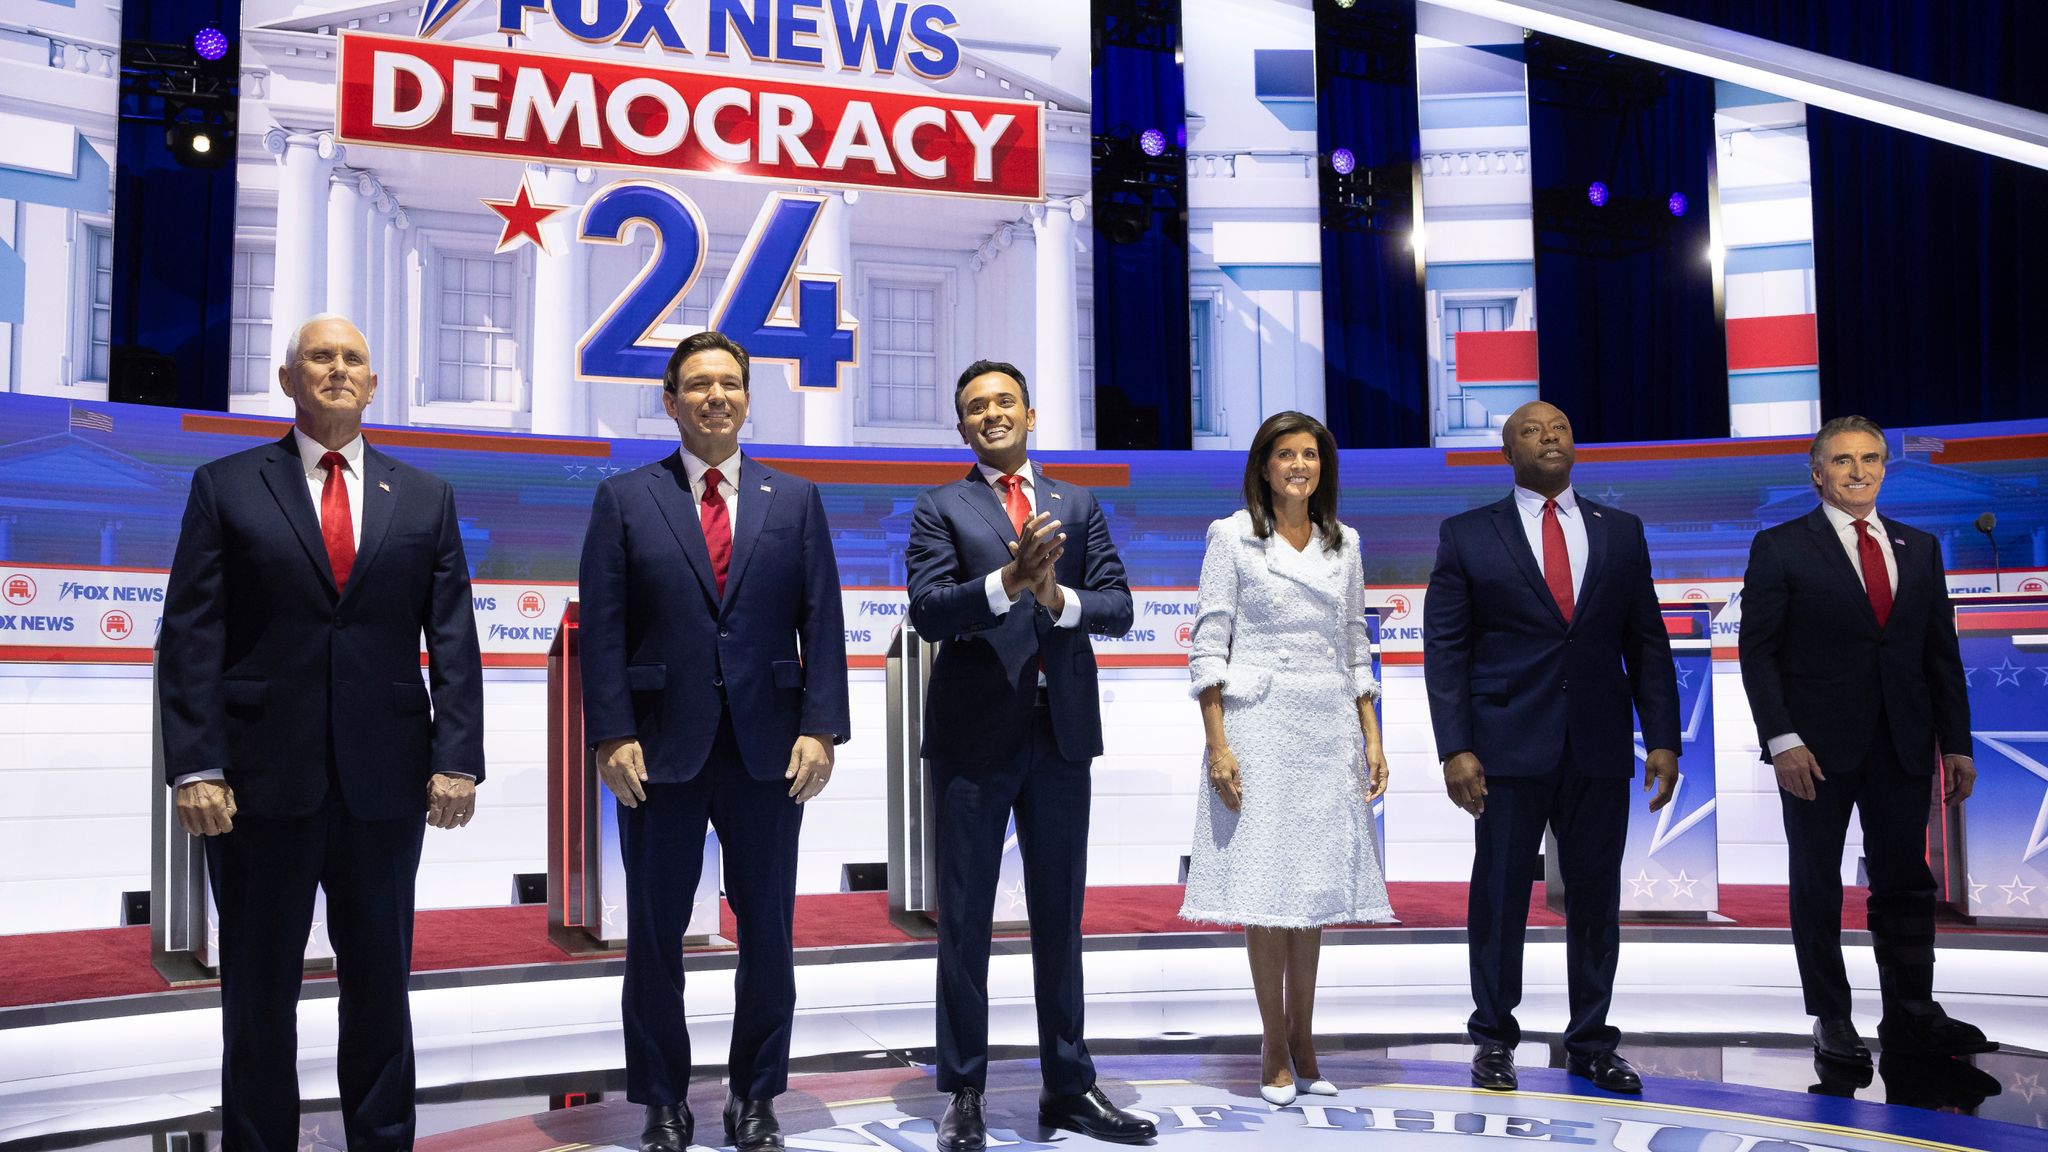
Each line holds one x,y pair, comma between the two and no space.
982,368
705,341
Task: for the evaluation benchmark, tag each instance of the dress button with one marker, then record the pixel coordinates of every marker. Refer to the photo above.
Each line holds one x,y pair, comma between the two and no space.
724,633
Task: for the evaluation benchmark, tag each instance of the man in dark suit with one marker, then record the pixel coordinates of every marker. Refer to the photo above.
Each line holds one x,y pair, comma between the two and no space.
302,741
714,689
1011,722
1850,662
1540,630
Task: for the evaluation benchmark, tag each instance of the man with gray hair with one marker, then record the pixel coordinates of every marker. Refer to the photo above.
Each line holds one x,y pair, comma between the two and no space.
303,743
1850,662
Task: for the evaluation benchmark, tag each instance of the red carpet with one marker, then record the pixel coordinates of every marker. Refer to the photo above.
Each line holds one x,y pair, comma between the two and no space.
57,966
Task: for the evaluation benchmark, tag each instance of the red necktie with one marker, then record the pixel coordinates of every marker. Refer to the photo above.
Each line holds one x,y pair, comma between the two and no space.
1014,502
1557,563
337,528
1876,581
717,528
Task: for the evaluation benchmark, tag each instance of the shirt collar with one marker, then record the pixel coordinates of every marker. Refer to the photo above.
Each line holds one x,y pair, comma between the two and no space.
1531,503
728,468
990,475
1841,520
311,452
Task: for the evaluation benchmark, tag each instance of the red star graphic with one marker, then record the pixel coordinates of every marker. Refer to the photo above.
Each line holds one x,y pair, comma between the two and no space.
523,218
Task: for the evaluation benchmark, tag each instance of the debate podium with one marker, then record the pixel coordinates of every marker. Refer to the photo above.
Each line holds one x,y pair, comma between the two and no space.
586,874
913,803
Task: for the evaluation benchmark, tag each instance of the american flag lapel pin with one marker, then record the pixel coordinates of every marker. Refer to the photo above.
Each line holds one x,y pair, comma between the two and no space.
383,485
766,488
1055,495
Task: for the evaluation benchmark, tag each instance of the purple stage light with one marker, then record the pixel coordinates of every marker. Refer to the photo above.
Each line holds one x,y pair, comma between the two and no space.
1678,203
1153,142
211,43
1343,162
1596,194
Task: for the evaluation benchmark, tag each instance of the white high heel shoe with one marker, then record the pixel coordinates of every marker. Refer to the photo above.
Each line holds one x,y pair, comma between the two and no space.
1279,1096
1318,1088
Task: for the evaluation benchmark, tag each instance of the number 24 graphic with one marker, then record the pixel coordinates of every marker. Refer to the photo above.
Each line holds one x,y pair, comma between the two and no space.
621,346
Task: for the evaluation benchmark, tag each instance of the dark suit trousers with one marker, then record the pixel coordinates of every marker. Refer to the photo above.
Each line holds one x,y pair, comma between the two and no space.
266,873
1050,795
1893,806
1590,817
662,841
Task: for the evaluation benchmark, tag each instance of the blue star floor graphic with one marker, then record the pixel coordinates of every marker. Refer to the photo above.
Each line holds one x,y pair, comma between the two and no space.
1203,1102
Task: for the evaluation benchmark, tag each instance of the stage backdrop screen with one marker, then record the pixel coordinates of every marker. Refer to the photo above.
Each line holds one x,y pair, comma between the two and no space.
59,68
525,205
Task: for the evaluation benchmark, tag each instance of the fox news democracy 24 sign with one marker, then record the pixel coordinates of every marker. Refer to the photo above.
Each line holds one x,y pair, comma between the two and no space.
586,112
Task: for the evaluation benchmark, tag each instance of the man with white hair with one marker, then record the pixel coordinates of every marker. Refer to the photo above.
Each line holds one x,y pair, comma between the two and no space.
302,741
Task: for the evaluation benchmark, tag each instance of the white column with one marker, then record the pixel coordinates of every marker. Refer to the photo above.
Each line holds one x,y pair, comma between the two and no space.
394,373
345,244
301,287
1055,393
560,402
1015,332
828,416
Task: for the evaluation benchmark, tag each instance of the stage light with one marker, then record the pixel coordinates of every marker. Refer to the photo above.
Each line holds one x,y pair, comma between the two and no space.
1343,162
1596,194
1152,142
1346,3
210,42
200,145
1677,204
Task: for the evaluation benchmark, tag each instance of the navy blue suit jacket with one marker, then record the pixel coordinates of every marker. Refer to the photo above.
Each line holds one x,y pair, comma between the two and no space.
263,671
1510,681
1815,662
984,681
660,645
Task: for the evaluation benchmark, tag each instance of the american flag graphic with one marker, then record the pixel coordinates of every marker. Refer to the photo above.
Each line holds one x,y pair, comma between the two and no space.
88,418
1925,444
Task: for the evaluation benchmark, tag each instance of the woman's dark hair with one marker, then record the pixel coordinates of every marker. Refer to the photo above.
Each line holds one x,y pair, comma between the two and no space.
1322,503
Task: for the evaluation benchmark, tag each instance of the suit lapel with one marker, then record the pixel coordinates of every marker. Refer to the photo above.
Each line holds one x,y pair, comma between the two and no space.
285,475
1596,551
1053,499
756,493
1836,560
978,493
1507,520
671,489
380,499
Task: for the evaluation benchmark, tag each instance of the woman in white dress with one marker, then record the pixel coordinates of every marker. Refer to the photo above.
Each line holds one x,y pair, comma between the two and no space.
1284,841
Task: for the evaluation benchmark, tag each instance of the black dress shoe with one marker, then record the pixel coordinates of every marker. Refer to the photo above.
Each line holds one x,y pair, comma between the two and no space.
1606,1070
1493,1067
669,1128
1926,1029
1937,1083
1091,1114
962,1129
1836,1039
750,1125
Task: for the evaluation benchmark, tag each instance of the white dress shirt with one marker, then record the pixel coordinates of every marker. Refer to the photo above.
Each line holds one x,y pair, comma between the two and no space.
1530,504
998,601
311,452
729,477
1845,531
